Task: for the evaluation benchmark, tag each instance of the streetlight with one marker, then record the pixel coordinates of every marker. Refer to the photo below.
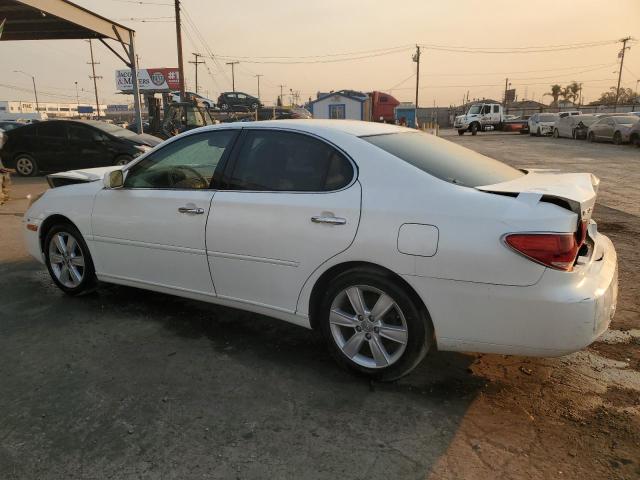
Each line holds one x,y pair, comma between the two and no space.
35,92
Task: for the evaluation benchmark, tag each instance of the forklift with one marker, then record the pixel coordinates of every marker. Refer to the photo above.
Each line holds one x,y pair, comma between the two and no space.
178,117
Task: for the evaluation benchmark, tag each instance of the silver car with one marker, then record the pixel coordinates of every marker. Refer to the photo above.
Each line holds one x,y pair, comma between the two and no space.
568,126
616,129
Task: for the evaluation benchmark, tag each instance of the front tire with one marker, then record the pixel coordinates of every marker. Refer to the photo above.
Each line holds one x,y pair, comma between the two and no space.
556,134
474,129
122,160
538,132
461,132
591,137
373,326
26,165
68,260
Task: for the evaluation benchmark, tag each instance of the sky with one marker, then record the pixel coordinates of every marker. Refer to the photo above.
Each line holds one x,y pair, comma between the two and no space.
378,39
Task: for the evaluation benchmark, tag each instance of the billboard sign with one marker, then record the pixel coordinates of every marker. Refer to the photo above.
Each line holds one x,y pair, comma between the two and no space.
85,109
159,79
117,108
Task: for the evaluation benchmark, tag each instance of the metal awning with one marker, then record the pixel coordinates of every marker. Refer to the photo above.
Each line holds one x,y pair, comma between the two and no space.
63,20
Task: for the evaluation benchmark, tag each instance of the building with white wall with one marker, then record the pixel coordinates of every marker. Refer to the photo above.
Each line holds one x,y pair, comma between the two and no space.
341,105
14,108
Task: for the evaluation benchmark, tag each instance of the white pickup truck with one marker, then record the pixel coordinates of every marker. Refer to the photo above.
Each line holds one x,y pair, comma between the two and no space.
479,117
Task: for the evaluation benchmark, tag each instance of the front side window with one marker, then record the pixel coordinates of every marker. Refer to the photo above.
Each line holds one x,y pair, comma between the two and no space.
186,164
286,161
52,130
337,112
496,109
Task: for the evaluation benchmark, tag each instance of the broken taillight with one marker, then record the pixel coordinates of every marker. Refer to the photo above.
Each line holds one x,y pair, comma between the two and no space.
554,250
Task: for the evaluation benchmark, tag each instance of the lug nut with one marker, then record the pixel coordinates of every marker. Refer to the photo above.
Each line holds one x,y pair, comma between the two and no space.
368,335
359,317
358,328
376,329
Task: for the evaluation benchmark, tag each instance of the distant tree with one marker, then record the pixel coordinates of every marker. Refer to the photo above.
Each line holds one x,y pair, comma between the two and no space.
571,92
627,95
556,91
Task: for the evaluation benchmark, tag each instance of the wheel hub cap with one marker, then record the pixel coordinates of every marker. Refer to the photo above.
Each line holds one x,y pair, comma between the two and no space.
368,326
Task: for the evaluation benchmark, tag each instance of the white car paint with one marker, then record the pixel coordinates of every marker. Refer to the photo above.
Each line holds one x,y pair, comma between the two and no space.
260,251
542,123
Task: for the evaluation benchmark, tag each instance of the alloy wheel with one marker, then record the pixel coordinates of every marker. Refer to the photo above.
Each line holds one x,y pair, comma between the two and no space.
368,326
24,166
66,259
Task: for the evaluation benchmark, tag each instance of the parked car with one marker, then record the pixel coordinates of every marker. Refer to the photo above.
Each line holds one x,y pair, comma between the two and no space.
568,114
360,230
57,145
542,123
634,134
204,101
568,126
232,100
614,129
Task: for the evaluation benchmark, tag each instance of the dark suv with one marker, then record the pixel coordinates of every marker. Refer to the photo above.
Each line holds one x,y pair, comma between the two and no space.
59,145
232,101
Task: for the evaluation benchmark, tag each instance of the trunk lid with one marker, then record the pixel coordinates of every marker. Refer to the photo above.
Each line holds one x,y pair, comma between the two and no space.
577,191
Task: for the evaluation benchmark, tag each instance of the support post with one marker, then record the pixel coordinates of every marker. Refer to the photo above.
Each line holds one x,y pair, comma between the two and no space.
134,82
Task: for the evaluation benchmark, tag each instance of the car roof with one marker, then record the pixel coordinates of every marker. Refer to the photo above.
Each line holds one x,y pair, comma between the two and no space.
317,126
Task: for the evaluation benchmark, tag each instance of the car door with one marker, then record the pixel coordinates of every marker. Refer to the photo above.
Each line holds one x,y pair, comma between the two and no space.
89,147
51,151
288,202
152,231
605,129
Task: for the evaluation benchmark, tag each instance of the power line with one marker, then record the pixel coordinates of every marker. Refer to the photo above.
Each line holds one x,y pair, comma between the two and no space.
144,2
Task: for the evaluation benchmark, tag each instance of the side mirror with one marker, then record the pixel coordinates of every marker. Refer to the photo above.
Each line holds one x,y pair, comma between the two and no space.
113,179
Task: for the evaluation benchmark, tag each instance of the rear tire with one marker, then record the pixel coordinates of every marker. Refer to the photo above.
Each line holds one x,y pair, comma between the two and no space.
556,134
26,165
538,132
591,137
385,345
68,260
224,106
617,138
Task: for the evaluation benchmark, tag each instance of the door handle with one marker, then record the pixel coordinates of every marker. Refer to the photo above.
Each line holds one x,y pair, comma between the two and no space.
191,210
328,219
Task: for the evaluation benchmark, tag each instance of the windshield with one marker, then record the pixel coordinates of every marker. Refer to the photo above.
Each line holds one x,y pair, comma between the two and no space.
628,119
444,159
547,117
475,109
111,129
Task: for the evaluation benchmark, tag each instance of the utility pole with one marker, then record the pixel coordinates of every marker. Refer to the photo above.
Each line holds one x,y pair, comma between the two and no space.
94,77
621,57
179,40
233,75
258,77
506,86
35,91
416,58
196,63
77,96
281,99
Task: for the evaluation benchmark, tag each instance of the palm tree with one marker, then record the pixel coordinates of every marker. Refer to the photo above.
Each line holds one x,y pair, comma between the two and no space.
556,91
571,92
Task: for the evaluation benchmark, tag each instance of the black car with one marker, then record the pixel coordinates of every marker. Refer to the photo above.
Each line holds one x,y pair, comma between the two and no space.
230,101
58,145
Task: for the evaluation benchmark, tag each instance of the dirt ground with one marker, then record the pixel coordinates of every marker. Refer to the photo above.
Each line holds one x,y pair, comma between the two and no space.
130,384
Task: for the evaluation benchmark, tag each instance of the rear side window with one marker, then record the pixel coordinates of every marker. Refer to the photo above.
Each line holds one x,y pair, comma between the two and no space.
444,159
287,161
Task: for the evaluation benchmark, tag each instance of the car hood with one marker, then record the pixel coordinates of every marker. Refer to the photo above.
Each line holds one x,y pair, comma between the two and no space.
83,175
579,190
142,139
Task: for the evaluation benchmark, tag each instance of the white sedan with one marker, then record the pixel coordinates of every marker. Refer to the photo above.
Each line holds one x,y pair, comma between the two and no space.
388,241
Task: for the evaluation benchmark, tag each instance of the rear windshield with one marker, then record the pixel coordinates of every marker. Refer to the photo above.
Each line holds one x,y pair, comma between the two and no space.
444,159
587,120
